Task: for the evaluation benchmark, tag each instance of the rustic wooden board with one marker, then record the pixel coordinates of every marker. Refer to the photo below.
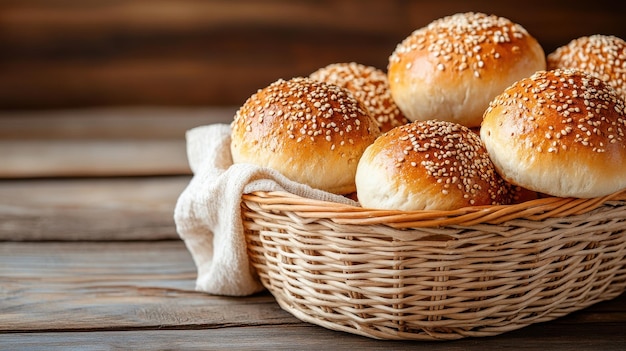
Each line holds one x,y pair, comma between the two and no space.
185,52
139,295
110,123
100,142
306,337
80,158
133,208
115,286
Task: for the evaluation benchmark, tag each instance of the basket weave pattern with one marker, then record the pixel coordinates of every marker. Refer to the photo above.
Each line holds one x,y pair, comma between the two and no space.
429,275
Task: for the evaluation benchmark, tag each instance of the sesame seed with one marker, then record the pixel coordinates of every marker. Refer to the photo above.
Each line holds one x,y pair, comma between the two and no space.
450,153
369,86
461,40
587,118
305,109
600,55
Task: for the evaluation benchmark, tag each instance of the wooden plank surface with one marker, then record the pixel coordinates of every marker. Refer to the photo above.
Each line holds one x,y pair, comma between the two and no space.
115,286
100,141
95,263
82,158
547,337
139,295
110,123
56,54
133,208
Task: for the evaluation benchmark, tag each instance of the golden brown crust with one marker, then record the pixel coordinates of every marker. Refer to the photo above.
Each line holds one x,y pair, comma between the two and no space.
453,67
601,55
369,85
559,132
312,132
433,165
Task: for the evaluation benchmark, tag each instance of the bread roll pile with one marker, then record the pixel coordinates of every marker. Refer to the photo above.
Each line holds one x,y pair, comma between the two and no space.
470,112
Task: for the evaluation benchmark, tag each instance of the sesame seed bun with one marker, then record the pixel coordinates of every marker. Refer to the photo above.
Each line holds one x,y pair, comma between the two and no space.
601,55
312,132
452,68
559,132
369,85
428,165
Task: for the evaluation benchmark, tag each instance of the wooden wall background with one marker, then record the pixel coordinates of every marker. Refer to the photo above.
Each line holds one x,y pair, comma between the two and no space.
84,53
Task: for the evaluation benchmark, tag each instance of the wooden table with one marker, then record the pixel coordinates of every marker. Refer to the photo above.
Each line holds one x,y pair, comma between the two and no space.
94,262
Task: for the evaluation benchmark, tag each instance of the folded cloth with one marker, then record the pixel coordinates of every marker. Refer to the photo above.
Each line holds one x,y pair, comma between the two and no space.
208,212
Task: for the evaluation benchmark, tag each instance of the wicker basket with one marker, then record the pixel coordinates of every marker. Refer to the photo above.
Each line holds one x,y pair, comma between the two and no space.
432,275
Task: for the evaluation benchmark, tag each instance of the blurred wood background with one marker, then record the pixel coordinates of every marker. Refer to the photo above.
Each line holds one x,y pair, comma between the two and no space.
70,53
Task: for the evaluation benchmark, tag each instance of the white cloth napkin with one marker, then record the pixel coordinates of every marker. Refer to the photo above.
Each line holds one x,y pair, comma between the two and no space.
208,212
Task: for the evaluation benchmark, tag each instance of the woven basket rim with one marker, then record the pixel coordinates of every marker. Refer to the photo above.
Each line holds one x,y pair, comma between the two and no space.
532,210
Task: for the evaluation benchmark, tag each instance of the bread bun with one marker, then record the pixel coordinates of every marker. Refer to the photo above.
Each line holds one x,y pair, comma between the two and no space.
601,55
428,165
559,132
452,68
312,132
369,85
